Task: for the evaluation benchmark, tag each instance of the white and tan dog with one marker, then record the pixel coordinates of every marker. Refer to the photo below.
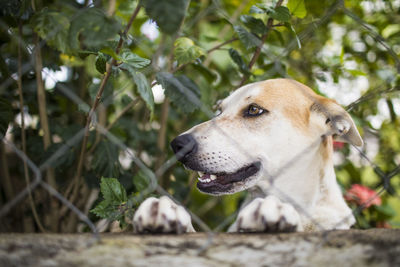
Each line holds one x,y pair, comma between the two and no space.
273,138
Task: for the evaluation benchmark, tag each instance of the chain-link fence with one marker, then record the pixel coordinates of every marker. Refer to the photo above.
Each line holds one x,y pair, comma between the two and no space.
78,141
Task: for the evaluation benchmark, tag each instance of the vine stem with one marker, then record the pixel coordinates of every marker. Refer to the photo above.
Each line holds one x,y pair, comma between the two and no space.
97,100
209,51
117,117
256,54
44,122
23,135
162,133
228,26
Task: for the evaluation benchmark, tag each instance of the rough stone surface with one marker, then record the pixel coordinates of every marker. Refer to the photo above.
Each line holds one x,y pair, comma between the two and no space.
375,247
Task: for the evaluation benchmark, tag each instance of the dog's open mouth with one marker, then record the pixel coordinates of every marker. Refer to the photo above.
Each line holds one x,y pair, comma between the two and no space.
222,182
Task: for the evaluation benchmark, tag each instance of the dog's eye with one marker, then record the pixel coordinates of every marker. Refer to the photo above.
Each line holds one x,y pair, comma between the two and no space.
217,113
254,110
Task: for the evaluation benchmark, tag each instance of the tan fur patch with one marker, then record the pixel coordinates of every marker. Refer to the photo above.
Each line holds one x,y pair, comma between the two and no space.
293,98
225,120
326,148
298,116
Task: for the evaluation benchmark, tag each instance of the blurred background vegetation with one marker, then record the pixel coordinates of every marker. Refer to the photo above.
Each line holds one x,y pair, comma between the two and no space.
132,62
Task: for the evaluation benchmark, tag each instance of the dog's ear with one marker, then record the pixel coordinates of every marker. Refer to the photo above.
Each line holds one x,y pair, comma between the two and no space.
337,121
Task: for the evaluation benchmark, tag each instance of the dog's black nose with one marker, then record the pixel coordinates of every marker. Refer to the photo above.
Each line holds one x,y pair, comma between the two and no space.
183,146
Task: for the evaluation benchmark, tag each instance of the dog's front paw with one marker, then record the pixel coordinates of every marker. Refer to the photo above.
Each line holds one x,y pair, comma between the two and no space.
161,216
267,215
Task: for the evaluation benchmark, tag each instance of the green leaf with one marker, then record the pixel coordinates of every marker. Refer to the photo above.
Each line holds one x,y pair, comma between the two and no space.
356,72
384,212
20,9
6,116
208,74
390,30
112,190
105,159
297,8
141,181
256,10
126,100
110,211
186,51
94,88
109,51
291,29
239,61
168,14
52,27
115,199
142,86
93,29
256,26
362,222
102,209
144,90
280,13
85,53
184,93
134,60
248,39
101,63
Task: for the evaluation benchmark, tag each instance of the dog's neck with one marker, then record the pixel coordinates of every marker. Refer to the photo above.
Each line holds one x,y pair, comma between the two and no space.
314,168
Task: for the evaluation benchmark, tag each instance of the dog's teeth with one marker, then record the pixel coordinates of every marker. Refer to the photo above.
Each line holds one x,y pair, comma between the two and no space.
206,178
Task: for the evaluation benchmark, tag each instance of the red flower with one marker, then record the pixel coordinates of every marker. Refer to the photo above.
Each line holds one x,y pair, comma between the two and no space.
362,195
383,225
337,145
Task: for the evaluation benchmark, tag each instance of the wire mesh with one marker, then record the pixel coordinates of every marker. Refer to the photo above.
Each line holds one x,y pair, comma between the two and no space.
153,175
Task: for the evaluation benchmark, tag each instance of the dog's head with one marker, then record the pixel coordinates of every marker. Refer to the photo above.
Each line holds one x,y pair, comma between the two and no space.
260,129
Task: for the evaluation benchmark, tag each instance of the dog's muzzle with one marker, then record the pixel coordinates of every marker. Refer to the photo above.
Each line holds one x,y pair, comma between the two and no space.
184,146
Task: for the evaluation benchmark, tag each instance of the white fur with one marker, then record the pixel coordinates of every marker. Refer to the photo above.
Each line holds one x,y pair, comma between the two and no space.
161,215
267,214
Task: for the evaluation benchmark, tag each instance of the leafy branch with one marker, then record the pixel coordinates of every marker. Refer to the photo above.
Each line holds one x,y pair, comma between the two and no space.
99,96
263,39
209,51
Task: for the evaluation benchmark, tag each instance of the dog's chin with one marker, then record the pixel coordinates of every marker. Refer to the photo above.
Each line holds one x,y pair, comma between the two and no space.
223,183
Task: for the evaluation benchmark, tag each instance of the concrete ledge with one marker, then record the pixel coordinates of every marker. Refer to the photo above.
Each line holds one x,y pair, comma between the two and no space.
375,247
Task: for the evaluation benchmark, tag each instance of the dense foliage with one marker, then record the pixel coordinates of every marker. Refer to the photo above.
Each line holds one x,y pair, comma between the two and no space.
62,59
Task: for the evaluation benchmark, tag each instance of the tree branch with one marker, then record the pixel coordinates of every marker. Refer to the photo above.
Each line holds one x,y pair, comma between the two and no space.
228,26
5,174
209,51
41,98
23,135
258,49
222,44
119,115
98,98
161,140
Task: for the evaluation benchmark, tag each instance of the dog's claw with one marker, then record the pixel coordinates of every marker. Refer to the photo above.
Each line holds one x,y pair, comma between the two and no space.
268,215
161,216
